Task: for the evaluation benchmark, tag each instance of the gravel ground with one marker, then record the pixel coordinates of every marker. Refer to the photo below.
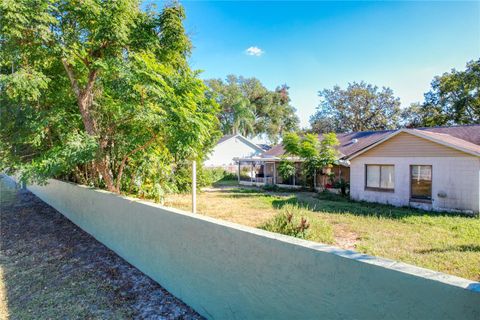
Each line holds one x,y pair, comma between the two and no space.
51,269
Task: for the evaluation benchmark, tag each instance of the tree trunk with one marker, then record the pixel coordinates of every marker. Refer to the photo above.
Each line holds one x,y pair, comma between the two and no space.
85,101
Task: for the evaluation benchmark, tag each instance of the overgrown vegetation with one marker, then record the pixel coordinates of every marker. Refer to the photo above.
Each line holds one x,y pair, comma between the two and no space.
101,93
454,99
248,108
289,222
315,154
212,176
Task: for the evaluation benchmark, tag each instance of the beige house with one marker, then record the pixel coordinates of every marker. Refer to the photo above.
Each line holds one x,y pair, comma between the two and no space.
430,168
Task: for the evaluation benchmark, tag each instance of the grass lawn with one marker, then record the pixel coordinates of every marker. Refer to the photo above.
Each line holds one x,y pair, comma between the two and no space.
446,243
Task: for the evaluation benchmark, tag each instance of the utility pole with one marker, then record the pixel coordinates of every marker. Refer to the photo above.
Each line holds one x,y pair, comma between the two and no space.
194,186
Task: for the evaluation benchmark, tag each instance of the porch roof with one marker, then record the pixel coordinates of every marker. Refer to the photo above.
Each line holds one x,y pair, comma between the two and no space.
343,163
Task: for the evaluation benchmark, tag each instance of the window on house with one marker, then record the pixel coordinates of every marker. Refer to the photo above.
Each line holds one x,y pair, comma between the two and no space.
421,182
380,177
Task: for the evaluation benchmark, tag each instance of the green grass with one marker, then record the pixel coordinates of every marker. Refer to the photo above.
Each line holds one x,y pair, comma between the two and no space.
444,242
226,183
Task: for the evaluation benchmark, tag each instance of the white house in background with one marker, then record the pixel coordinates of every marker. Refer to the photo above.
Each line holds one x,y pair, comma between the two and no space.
229,147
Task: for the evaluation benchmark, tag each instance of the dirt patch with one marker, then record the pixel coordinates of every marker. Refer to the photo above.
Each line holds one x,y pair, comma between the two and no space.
50,268
345,238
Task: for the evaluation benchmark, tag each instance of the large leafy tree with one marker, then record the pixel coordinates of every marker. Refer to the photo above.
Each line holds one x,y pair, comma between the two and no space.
453,99
97,91
359,107
247,107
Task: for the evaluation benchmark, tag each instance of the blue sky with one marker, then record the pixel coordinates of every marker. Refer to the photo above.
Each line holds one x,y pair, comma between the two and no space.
315,45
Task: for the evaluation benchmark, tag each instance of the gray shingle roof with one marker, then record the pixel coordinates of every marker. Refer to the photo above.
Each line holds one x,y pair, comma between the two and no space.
348,145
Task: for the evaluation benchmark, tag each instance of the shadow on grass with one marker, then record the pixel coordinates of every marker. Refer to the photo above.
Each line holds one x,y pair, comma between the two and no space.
456,248
333,203
225,183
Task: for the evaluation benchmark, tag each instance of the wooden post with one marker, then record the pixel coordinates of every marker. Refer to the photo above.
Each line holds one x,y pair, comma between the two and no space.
274,173
295,165
238,172
251,172
194,186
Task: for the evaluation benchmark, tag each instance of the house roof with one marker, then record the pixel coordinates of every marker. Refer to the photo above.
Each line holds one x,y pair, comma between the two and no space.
465,138
348,144
239,136
449,139
225,138
264,146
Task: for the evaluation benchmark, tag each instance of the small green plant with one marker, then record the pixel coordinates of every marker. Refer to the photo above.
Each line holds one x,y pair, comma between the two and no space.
343,185
286,223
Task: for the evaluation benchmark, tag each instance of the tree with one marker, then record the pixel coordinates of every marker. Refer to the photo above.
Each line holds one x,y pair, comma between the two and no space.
96,91
316,154
359,107
328,155
251,109
453,100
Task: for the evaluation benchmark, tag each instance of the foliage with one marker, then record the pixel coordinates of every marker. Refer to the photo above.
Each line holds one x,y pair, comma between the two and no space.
288,223
210,176
343,185
291,143
100,92
286,169
251,109
359,107
454,99
309,147
328,155
316,155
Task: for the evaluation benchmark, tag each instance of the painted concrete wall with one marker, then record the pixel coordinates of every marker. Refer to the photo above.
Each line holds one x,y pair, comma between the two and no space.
457,177
223,153
227,271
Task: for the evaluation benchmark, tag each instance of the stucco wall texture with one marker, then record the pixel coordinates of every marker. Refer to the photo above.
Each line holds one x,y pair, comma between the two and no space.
456,177
227,271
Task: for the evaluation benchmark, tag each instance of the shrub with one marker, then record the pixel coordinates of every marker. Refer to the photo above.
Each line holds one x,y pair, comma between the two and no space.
343,185
209,176
271,187
289,223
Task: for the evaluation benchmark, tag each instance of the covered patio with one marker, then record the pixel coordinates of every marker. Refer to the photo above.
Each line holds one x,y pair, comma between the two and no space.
264,171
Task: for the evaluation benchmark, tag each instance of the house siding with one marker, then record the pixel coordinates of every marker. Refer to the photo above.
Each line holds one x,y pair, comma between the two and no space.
408,145
454,173
223,153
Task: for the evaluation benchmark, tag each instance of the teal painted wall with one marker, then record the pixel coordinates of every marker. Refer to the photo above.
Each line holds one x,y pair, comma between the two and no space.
227,271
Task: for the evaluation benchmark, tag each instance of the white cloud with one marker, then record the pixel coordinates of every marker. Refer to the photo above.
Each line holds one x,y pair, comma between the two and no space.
254,51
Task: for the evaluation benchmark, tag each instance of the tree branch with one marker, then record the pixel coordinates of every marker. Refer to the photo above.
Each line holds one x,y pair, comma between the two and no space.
125,159
71,76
